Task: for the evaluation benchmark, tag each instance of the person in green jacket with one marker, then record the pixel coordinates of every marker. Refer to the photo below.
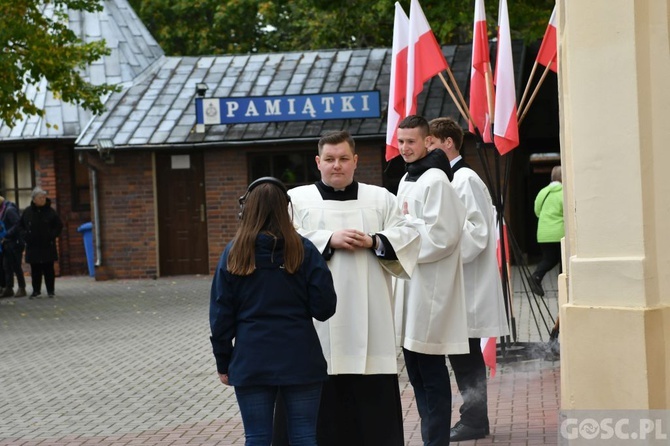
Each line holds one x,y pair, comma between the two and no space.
550,228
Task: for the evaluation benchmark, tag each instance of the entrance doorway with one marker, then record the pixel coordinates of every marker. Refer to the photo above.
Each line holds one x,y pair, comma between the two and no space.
182,221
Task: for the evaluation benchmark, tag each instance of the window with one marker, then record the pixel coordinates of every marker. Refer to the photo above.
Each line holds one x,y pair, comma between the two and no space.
16,177
293,168
81,193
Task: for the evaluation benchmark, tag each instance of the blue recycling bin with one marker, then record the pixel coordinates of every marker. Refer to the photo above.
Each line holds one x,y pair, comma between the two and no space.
87,232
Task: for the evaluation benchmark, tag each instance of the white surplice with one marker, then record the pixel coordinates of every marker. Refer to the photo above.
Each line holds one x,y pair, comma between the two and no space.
430,308
483,288
359,338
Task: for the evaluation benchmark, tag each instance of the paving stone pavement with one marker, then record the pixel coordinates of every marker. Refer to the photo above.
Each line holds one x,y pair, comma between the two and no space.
129,363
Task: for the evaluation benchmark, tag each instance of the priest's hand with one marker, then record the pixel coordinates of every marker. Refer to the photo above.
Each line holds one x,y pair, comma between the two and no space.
350,239
223,377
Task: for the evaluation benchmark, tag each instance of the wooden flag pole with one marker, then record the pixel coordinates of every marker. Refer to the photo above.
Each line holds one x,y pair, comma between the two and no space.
527,89
490,94
460,95
537,88
453,97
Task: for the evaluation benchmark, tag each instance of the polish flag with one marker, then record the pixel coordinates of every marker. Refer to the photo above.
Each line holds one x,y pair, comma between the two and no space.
506,126
481,63
396,104
424,57
548,50
488,346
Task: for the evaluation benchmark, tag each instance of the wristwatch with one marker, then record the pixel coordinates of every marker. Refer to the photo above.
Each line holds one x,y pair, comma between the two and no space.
373,236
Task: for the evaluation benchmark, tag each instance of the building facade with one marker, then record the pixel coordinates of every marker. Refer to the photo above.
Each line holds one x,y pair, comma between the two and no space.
160,188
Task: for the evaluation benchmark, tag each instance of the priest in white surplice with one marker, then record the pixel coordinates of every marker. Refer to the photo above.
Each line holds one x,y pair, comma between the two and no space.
366,240
430,308
483,289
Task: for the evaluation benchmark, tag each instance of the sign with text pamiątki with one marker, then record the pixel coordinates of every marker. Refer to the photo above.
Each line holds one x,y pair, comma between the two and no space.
308,107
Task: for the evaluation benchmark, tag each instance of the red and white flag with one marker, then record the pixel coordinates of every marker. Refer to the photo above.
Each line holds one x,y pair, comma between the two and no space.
481,63
506,126
424,57
548,50
488,346
397,99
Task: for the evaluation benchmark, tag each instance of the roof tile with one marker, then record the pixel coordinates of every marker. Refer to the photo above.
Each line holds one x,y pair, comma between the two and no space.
133,51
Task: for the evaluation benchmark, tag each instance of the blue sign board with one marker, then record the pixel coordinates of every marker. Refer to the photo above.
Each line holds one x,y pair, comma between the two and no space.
308,107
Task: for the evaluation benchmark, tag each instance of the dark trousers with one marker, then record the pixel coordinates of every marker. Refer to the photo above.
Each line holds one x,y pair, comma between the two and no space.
46,270
470,373
432,389
11,263
551,255
3,281
356,410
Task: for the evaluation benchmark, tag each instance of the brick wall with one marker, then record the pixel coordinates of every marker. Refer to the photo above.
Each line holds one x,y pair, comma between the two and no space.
225,180
369,168
127,216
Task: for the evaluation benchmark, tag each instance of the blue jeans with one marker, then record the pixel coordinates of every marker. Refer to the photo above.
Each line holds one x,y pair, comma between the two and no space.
432,388
257,405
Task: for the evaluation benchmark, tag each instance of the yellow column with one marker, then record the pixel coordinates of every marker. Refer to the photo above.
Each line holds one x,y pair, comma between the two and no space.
614,87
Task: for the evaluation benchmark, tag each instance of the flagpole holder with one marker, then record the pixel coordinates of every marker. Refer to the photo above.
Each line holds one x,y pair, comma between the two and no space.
497,170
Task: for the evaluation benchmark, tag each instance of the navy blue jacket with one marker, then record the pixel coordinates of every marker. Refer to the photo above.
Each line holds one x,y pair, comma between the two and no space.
268,315
10,216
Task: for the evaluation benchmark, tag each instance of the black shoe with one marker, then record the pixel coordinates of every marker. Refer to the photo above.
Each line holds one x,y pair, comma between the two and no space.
35,294
51,294
461,432
21,292
535,285
7,292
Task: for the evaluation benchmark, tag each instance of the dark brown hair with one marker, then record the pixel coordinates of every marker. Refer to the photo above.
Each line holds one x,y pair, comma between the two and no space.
444,128
336,137
414,122
265,210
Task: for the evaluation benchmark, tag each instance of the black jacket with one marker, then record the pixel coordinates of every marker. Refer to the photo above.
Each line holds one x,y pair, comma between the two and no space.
434,159
41,225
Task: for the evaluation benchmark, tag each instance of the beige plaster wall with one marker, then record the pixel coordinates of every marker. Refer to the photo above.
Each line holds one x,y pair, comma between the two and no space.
614,87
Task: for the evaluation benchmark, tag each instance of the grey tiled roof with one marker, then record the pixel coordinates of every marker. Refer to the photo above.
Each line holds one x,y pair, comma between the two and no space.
160,109
133,51
156,106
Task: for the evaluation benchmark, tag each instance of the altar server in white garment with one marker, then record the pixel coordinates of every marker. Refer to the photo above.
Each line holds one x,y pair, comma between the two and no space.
430,308
366,240
483,288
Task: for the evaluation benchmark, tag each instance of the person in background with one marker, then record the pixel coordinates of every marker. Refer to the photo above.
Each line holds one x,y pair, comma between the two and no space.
431,316
484,298
41,226
361,232
269,284
3,284
550,228
12,249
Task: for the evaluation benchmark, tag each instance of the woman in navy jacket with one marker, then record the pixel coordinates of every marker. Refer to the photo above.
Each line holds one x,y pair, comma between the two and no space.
269,284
